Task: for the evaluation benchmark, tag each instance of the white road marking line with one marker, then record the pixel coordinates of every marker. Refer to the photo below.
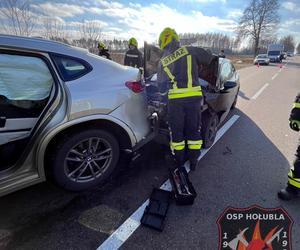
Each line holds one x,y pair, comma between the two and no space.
275,75
260,91
118,238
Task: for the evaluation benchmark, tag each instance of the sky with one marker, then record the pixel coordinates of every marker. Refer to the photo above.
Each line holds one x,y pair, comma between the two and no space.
146,19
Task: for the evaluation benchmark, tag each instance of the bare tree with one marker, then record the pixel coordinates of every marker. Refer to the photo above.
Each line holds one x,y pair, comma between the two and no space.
265,42
17,17
91,30
54,29
259,20
288,43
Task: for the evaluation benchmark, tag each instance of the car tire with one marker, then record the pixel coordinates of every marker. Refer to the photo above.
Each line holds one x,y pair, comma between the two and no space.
84,159
210,122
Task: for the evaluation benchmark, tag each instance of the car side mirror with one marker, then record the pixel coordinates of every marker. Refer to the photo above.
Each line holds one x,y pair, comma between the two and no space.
229,84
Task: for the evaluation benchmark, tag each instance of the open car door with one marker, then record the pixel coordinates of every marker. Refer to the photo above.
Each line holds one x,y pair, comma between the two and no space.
152,55
210,74
25,87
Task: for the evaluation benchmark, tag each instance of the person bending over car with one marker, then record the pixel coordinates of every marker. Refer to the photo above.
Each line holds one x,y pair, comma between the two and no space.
178,77
293,186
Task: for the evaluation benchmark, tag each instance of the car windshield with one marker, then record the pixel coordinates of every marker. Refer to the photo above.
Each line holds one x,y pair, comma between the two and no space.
274,53
262,56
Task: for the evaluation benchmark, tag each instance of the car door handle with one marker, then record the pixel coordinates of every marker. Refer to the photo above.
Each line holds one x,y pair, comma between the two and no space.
2,121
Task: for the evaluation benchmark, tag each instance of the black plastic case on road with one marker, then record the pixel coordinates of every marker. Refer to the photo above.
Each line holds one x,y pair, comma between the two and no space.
155,213
179,198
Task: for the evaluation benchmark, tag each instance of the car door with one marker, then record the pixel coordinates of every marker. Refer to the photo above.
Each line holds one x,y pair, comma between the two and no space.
27,88
230,82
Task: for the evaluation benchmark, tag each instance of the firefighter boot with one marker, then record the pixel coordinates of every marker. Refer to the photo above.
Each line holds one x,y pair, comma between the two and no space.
288,193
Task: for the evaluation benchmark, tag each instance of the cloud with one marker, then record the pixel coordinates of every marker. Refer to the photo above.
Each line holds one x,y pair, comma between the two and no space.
234,14
291,6
97,23
209,1
203,1
59,9
290,27
147,22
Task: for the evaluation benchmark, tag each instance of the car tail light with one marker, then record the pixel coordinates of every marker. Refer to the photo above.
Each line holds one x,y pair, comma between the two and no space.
135,86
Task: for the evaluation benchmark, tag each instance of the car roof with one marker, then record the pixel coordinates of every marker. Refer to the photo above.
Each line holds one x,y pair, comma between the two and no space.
222,60
40,44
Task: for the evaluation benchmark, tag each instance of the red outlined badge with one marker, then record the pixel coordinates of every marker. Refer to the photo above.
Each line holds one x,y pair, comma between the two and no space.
255,228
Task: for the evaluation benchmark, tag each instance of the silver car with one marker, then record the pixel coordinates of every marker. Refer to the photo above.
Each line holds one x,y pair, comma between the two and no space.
65,114
261,59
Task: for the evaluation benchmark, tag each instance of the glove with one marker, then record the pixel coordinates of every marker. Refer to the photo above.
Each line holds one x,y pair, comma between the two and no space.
295,125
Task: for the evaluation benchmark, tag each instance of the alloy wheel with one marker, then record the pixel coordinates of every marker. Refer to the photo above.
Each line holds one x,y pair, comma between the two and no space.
88,159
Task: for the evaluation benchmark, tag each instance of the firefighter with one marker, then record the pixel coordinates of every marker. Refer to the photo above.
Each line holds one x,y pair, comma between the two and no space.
103,51
178,79
293,186
133,56
222,54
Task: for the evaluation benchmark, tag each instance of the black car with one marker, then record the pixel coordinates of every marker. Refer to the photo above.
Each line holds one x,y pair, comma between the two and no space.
220,86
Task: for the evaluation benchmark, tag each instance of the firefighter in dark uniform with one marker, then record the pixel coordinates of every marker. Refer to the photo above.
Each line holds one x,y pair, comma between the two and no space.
178,77
222,54
133,56
103,51
293,186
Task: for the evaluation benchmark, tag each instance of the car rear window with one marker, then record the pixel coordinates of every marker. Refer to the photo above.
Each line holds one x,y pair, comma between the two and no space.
70,68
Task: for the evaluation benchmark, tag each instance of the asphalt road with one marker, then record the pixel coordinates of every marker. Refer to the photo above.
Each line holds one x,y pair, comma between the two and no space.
247,166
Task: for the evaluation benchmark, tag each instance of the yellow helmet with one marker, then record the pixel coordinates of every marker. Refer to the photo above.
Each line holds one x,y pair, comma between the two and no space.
167,36
101,45
133,41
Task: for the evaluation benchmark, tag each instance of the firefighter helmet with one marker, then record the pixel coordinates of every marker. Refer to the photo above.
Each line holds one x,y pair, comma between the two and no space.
133,41
167,36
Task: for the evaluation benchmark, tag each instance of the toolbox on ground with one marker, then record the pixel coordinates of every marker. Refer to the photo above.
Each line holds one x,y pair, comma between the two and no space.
184,192
155,213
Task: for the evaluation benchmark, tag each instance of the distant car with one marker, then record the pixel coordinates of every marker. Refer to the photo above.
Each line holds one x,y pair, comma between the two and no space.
290,54
65,113
262,59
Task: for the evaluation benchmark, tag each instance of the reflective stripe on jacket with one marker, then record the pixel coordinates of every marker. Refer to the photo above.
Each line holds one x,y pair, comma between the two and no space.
133,58
178,72
295,113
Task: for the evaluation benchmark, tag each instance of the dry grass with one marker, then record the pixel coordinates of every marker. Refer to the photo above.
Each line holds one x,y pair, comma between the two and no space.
117,57
240,61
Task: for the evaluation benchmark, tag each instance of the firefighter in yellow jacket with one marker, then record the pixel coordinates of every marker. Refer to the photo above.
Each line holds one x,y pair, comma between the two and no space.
178,78
293,186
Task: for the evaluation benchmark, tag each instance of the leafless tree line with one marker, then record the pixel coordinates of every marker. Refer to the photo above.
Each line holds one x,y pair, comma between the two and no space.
259,22
213,41
16,17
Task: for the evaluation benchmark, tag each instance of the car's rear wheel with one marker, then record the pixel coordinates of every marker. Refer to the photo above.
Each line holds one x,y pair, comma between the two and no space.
84,159
210,122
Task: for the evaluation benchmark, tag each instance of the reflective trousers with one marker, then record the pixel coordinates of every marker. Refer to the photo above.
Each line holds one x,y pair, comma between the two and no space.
294,175
184,118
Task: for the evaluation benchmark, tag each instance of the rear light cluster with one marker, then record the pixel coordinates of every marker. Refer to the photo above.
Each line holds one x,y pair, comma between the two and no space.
135,86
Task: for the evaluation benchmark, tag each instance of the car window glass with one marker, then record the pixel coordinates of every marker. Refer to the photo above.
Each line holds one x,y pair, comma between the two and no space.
24,78
70,68
226,71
